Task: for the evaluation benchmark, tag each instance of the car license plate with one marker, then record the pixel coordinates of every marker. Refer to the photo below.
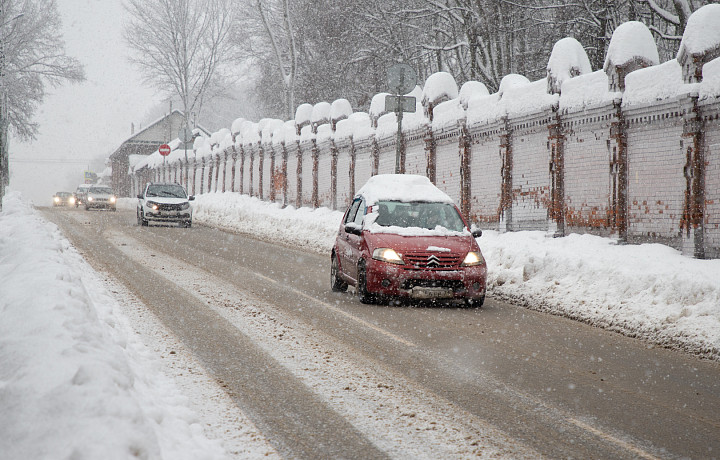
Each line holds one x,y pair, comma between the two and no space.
430,293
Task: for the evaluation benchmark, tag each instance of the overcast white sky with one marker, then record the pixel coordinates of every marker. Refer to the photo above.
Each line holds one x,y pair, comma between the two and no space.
88,121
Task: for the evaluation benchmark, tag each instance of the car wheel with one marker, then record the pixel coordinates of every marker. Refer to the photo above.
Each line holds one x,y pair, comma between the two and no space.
363,295
475,303
141,220
336,283
188,224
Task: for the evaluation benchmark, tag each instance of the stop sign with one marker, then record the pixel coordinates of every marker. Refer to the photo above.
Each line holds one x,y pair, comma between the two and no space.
164,150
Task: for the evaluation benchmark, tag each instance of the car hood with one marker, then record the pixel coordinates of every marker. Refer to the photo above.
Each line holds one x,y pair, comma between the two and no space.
455,244
166,200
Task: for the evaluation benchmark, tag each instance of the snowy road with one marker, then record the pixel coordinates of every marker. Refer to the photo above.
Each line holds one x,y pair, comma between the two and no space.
324,376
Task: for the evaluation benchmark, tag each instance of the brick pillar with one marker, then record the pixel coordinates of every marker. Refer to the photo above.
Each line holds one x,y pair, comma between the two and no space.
261,172
252,167
315,172
430,155
619,169
556,141
194,174
465,173
351,171
225,157
202,175
506,174
232,169
693,217
242,170
211,165
273,183
333,173
298,199
375,157
217,171
284,175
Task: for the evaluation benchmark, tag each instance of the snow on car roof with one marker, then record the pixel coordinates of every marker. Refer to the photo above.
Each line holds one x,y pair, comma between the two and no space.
401,187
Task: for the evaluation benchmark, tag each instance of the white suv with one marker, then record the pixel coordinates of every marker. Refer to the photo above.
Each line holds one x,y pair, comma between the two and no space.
164,203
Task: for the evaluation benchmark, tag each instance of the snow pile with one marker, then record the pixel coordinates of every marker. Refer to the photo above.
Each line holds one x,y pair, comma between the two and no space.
655,83
567,60
304,227
701,32
648,291
75,382
630,41
585,92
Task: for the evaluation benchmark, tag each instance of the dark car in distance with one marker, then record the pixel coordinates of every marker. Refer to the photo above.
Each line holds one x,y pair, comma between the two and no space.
402,237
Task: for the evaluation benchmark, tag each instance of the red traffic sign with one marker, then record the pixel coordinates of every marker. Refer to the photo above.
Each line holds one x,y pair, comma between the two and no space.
164,150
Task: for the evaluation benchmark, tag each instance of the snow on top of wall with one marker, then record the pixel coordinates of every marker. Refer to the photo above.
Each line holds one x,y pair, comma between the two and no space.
340,109
586,91
529,98
324,133
377,105
386,125
289,133
483,109
629,41
439,85
447,114
710,86
269,128
401,187
306,134
567,60
250,134
227,141
303,114
653,83
702,32
237,125
472,89
218,136
357,126
511,80
199,142
321,113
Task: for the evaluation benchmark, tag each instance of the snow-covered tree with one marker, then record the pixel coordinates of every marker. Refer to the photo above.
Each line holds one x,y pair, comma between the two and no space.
182,47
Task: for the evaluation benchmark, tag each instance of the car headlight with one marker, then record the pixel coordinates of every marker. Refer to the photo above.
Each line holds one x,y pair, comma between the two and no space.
57,200
112,199
387,255
151,205
90,198
71,200
473,258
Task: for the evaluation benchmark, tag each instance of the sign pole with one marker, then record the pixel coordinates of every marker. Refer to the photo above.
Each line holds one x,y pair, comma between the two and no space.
398,142
401,80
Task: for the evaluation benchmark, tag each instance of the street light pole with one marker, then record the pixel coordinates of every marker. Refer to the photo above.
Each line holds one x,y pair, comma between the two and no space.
4,155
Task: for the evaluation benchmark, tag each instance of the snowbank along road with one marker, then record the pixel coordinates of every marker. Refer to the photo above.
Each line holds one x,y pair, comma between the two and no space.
323,376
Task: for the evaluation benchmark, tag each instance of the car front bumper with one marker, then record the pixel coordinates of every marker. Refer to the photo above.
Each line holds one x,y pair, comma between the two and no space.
398,281
168,216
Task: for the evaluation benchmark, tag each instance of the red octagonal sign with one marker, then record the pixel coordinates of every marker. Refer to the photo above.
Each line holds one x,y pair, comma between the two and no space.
164,150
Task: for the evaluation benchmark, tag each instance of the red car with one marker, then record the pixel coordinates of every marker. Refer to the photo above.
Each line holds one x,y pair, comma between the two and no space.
403,237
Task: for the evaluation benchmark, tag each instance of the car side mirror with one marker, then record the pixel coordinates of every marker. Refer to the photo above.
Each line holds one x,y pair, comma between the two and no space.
476,232
191,198
140,196
353,228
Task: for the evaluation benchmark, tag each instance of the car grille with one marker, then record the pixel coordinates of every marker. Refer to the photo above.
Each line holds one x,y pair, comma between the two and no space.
170,207
455,285
432,260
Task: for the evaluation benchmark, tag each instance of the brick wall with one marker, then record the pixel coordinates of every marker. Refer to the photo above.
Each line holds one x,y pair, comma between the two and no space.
711,119
485,167
343,175
324,177
448,163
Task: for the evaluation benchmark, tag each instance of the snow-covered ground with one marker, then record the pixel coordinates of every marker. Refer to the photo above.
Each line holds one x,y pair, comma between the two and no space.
77,381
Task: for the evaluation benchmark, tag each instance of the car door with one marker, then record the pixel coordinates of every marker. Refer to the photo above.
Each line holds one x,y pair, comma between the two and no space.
355,242
344,250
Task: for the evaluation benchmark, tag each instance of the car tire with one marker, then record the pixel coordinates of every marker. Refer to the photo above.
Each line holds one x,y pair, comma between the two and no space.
141,219
336,283
475,303
187,224
363,295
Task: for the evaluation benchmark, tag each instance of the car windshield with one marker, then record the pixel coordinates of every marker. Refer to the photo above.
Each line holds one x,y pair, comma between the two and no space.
168,191
106,190
418,214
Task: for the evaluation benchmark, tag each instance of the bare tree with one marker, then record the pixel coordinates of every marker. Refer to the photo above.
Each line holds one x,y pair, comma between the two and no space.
33,56
182,47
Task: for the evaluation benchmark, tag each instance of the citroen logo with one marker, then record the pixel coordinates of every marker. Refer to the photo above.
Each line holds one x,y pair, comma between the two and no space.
433,261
